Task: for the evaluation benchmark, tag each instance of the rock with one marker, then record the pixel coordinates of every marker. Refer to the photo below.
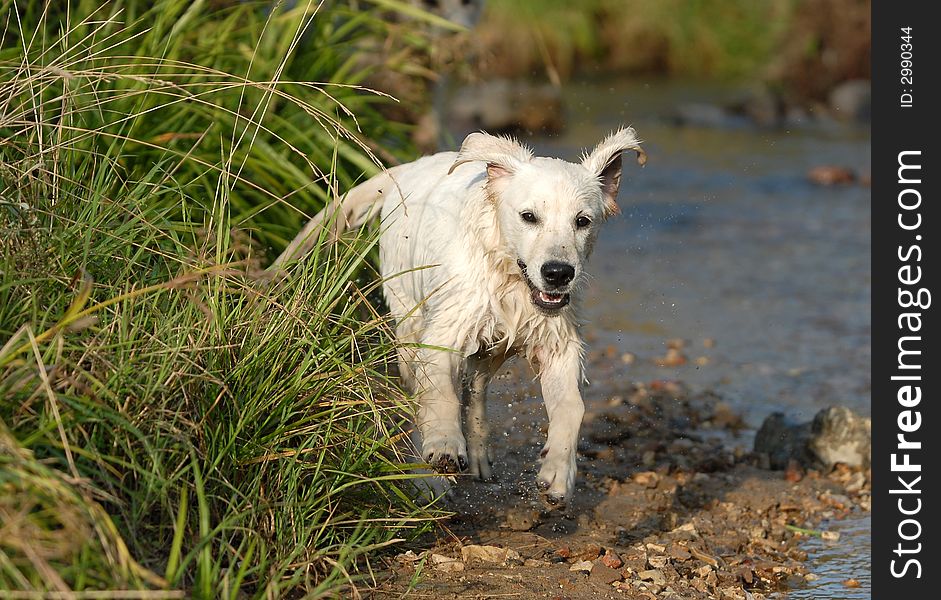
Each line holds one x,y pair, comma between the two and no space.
852,100
648,479
604,574
836,435
763,106
830,536
493,554
673,358
831,175
584,566
535,563
612,560
695,114
679,553
653,575
506,105
587,552
446,564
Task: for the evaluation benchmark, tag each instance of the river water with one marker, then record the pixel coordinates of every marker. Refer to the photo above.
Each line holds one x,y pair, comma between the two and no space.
724,243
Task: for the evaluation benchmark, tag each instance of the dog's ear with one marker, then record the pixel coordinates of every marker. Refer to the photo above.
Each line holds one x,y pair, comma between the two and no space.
503,155
605,162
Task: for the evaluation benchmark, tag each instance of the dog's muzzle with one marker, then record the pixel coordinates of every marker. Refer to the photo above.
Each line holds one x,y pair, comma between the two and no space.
549,301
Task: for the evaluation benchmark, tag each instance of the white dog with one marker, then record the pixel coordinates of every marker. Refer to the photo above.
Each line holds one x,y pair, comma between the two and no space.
482,253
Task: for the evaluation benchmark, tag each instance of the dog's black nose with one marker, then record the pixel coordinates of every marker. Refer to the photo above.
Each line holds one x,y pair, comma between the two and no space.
557,273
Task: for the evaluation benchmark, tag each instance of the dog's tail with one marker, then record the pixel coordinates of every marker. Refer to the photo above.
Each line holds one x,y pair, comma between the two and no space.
356,208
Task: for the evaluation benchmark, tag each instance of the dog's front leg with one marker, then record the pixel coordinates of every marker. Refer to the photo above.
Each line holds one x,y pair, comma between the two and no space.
439,411
560,377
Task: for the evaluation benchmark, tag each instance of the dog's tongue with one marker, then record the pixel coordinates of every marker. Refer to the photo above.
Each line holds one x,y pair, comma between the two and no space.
551,298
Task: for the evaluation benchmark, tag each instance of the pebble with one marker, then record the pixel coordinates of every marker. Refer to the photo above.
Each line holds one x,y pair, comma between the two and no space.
612,560
648,479
653,575
446,564
584,566
831,175
679,552
604,574
493,554
673,358
830,536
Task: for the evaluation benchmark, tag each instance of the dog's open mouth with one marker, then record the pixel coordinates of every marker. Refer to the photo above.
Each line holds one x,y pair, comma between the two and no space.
545,300
549,300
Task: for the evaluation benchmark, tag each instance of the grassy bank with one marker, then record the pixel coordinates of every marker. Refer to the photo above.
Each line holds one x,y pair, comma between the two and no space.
803,46
166,423
674,37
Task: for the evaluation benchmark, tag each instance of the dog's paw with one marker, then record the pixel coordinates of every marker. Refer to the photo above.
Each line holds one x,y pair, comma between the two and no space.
445,453
480,460
556,479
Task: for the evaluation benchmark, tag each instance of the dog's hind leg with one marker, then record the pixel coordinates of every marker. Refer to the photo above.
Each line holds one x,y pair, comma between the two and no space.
439,408
476,377
477,374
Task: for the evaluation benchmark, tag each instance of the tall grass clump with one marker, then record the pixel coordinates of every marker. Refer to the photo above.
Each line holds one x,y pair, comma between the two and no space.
168,424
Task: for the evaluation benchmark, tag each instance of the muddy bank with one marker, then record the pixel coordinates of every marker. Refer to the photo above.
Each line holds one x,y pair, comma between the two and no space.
670,502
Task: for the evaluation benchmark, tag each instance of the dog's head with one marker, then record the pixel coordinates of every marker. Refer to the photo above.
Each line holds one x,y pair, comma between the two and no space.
549,210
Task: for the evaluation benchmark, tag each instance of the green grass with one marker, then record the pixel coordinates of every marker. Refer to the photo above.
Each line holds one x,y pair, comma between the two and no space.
167,423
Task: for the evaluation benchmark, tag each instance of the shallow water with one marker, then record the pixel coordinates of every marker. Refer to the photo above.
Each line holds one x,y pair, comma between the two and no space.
723,238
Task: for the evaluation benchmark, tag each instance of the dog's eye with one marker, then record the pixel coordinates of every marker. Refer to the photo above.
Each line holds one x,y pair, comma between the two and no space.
529,217
582,222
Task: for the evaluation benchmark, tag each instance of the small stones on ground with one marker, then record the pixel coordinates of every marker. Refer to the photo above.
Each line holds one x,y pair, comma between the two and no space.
695,522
